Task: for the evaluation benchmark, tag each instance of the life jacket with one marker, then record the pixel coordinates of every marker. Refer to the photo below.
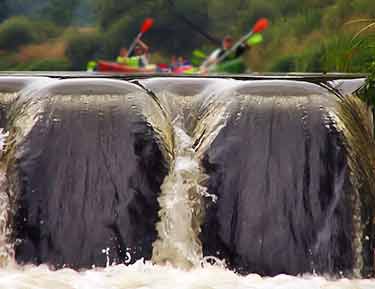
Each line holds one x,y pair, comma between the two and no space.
236,65
91,65
237,53
121,59
133,61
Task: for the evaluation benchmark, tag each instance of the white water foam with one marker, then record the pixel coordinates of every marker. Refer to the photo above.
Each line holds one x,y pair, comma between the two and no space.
144,275
6,248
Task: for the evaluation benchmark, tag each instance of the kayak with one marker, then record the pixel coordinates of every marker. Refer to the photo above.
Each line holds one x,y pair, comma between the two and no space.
109,66
231,66
185,69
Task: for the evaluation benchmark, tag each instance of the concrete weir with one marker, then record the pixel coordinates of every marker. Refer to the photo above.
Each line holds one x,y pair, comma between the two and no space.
256,172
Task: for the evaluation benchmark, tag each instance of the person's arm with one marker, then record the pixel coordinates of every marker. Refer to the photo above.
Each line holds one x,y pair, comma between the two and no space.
212,58
143,45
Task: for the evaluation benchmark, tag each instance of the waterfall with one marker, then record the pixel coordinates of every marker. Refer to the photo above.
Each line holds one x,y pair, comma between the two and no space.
181,208
255,173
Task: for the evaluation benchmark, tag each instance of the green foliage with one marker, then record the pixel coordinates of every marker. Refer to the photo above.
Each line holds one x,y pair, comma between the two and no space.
60,12
44,30
83,47
367,46
14,32
368,91
17,31
7,61
120,22
311,60
334,15
343,54
45,65
365,7
304,36
284,64
110,11
306,22
118,35
4,10
308,61
257,9
338,53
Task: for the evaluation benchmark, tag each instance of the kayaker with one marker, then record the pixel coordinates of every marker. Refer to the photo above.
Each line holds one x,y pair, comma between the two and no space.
123,55
141,52
227,44
174,63
182,61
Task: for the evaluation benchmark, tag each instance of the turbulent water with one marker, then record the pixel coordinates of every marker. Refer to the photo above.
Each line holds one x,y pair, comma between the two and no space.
180,200
202,178
147,276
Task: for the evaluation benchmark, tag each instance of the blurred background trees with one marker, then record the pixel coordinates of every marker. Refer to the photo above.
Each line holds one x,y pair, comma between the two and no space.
305,36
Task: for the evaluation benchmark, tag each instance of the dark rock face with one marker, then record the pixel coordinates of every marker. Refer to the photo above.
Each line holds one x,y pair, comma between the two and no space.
279,170
90,171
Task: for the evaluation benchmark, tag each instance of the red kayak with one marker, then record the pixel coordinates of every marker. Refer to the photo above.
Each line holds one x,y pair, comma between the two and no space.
108,66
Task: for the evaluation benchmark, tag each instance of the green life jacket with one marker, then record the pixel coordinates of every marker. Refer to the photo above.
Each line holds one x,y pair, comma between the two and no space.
231,56
236,65
91,65
121,59
133,61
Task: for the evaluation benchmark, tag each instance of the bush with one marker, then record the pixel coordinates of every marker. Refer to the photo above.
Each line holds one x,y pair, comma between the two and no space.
118,36
50,65
44,30
305,22
311,60
83,47
7,61
342,53
308,61
284,64
16,31
364,7
335,15
367,93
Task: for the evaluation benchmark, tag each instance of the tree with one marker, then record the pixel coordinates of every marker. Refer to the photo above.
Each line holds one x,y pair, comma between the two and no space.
4,10
110,11
60,12
180,24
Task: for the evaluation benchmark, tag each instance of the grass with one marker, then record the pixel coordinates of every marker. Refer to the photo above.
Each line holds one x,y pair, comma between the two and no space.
51,49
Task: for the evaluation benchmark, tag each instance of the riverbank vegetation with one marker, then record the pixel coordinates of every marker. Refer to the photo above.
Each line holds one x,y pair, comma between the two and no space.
304,36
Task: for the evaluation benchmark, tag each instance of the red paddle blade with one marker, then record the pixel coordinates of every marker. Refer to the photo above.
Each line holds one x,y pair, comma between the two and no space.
147,24
260,25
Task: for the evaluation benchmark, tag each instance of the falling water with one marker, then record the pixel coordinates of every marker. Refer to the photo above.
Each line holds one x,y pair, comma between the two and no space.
6,247
182,193
181,210
185,152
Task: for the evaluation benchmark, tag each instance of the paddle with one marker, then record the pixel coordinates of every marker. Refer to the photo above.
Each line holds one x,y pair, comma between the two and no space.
199,53
259,26
255,39
146,25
